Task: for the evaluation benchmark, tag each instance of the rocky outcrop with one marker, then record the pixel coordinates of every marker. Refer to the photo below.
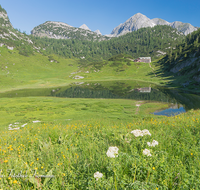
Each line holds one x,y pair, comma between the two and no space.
59,30
185,28
139,20
4,20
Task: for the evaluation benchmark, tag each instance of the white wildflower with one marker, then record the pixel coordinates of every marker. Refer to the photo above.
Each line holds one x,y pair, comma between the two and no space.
98,175
36,121
24,125
154,143
146,132
17,128
112,152
137,133
146,152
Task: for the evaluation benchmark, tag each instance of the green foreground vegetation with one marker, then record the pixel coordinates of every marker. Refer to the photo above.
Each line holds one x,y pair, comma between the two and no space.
66,156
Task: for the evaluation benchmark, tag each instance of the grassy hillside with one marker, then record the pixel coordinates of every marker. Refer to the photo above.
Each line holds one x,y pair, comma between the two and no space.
19,71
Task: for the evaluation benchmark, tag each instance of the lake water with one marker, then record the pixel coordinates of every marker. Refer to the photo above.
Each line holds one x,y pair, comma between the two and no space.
178,101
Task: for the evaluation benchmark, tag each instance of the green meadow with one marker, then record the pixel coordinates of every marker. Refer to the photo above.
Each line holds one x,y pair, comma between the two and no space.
37,71
60,143
66,156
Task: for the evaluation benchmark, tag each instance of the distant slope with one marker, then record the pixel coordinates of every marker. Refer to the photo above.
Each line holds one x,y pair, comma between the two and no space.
59,30
139,20
184,61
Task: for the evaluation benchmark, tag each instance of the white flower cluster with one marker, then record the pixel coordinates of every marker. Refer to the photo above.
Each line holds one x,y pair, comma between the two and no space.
112,152
98,175
141,133
154,143
138,133
146,152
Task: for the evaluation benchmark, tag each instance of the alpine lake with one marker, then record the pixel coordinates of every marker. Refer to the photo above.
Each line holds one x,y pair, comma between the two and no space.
178,101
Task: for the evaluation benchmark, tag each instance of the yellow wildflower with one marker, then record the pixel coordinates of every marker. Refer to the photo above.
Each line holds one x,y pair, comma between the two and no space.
15,181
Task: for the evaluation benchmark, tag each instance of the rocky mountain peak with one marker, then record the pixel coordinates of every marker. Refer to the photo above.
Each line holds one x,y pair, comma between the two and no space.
98,32
134,23
139,20
84,26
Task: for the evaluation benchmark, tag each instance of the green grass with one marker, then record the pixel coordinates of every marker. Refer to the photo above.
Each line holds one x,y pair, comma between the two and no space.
72,153
122,71
64,110
18,71
36,71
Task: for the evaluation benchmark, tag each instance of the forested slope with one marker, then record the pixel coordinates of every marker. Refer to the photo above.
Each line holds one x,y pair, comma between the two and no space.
185,60
144,42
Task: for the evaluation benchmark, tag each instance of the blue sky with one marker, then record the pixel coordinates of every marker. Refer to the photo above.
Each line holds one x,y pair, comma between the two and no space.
104,15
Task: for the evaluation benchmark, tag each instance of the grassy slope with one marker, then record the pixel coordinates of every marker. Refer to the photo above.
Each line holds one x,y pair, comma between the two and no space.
37,71
33,71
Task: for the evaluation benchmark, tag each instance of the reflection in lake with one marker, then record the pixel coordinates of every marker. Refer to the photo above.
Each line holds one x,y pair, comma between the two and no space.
118,90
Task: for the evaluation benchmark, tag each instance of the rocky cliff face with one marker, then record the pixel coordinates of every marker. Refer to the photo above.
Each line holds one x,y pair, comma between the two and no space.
4,20
59,30
12,38
141,21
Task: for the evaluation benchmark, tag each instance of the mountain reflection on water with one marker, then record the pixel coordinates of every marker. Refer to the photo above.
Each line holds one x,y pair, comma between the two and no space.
117,90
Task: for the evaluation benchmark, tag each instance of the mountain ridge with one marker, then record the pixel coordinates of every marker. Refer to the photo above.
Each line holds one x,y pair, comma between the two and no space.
139,20
60,30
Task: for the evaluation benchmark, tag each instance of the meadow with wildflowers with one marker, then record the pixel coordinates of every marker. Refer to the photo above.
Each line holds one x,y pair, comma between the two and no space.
63,143
146,153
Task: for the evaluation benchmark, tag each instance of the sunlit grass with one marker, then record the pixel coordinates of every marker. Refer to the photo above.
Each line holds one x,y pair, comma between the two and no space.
70,154
65,110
